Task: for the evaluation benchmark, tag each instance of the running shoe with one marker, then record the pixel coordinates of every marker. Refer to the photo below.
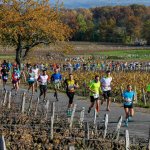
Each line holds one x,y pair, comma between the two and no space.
129,118
89,110
126,123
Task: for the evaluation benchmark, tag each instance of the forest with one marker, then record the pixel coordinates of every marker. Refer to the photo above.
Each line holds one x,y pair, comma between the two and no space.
114,24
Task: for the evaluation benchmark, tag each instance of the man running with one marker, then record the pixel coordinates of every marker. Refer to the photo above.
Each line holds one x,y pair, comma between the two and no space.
95,89
43,80
56,81
71,85
128,97
4,73
106,88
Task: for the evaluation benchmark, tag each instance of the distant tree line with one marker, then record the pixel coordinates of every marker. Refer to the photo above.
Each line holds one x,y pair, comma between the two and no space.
119,24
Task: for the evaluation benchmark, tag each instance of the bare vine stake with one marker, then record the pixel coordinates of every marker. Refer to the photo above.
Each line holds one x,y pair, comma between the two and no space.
53,109
135,98
9,100
106,124
72,116
87,135
144,97
2,143
71,147
30,105
95,113
82,116
36,109
52,126
149,140
47,108
23,103
121,89
5,97
127,141
118,128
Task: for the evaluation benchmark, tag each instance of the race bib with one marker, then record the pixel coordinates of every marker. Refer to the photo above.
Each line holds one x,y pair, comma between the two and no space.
5,77
96,95
56,81
31,79
44,83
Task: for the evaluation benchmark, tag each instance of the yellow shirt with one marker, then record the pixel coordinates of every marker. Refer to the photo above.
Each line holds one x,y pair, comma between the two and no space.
94,86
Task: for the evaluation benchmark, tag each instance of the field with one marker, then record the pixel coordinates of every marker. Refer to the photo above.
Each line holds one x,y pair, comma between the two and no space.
28,123
85,49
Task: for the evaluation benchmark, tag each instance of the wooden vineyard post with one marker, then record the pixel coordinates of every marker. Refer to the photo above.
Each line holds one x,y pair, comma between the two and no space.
148,146
121,89
46,109
127,141
52,120
82,116
95,114
87,135
52,127
2,143
23,103
117,132
144,97
105,126
30,105
5,98
71,147
84,88
135,97
36,109
53,109
72,116
9,100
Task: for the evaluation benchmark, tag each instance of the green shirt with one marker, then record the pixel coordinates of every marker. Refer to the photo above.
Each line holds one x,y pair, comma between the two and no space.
148,88
94,86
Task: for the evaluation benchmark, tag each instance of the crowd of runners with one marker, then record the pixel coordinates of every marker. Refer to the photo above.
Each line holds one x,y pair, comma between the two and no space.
36,76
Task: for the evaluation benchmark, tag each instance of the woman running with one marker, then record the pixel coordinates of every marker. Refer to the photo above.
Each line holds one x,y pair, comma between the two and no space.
128,97
15,81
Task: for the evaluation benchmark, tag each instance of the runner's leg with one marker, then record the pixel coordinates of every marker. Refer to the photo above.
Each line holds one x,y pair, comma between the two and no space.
98,105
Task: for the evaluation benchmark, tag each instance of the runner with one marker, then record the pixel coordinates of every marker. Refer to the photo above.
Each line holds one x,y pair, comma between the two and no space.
43,80
4,73
71,85
18,73
56,81
15,81
95,89
128,97
36,72
31,80
106,88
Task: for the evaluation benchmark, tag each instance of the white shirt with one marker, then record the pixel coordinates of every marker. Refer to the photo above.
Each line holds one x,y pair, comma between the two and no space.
36,72
43,79
106,82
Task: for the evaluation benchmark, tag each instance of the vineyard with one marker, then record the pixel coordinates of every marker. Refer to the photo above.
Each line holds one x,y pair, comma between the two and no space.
138,80
28,123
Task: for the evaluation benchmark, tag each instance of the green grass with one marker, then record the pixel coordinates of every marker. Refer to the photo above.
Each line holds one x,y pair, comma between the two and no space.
7,56
123,54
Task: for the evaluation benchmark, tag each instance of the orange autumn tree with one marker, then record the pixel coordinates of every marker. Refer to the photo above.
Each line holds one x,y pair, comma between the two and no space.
28,23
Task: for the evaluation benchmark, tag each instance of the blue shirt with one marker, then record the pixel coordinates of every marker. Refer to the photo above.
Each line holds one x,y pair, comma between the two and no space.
128,95
56,77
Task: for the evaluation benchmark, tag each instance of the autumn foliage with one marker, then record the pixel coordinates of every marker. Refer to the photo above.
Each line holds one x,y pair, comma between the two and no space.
27,23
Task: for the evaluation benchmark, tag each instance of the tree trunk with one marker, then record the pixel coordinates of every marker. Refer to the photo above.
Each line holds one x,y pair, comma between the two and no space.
19,51
26,52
